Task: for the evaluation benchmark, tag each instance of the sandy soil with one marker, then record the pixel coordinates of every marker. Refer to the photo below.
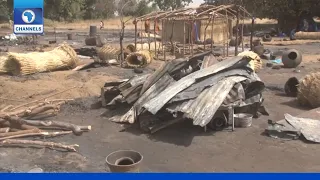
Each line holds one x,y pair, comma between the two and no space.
180,148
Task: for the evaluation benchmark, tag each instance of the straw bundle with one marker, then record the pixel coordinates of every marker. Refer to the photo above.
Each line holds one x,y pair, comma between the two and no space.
255,64
107,52
309,90
307,35
3,65
61,57
145,46
139,59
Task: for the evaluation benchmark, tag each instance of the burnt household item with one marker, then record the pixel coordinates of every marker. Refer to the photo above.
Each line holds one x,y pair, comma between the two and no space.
258,49
70,36
291,87
243,120
266,38
218,122
93,31
291,58
124,161
90,41
52,42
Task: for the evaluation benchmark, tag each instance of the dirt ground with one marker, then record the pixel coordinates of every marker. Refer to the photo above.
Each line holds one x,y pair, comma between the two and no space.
180,148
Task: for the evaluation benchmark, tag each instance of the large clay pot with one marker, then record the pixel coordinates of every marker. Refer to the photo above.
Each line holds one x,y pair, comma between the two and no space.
291,58
124,161
258,50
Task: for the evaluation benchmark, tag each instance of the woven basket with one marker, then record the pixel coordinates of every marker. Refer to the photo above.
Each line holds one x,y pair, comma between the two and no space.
309,90
255,63
139,59
107,52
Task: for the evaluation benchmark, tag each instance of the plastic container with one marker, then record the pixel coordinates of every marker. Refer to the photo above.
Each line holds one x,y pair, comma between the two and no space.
243,120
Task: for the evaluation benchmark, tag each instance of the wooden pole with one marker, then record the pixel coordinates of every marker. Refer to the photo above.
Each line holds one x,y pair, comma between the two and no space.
192,36
149,40
184,37
227,23
135,32
242,43
141,30
162,37
155,39
251,35
237,34
164,51
212,23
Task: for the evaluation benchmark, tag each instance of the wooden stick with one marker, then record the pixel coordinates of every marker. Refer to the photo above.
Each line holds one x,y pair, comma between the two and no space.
77,130
237,34
6,108
31,131
30,143
227,33
135,32
212,32
184,38
4,130
43,134
35,101
7,99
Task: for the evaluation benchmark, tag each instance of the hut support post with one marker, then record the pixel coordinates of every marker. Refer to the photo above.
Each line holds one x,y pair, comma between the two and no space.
164,38
251,35
149,40
212,23
184,38
227,31
237,34
205,34
192,36
141,30
242,43
155,40
135,32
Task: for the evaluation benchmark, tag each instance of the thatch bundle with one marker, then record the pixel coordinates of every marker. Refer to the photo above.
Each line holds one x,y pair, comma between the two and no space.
61,57
255,63
3,65
107,52
309,90
139,59
307,35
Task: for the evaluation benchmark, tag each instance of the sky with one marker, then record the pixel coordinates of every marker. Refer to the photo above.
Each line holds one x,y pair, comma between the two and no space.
196,3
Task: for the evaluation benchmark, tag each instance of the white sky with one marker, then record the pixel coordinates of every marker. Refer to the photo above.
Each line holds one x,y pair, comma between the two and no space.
196,3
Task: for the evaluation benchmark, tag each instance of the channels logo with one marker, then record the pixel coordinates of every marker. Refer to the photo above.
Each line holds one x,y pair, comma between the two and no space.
28,16
28,21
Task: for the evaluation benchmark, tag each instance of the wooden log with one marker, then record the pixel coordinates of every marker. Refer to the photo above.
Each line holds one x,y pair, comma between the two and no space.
20,134
4,130
30,143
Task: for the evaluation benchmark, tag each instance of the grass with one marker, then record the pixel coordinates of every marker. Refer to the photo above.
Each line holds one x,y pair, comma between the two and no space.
84,24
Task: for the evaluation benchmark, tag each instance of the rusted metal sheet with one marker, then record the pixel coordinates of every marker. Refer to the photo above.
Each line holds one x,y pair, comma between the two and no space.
209,61
208,102
236,94
155,104
168,67
152,92
308,127
194,90
136,80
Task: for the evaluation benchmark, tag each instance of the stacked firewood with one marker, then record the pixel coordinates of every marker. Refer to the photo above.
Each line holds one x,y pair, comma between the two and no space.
28,120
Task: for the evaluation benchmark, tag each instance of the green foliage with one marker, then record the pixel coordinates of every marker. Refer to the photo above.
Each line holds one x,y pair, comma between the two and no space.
171,4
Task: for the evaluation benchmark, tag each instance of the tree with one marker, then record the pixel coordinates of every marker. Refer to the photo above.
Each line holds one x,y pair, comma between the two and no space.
171,4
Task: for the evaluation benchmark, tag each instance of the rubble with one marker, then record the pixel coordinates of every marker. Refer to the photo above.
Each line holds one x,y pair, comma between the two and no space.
186,88
16,123
291,128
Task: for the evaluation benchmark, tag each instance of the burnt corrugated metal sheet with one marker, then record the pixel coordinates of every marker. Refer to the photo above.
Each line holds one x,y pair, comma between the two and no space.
152,92
207,103
194,90
155,104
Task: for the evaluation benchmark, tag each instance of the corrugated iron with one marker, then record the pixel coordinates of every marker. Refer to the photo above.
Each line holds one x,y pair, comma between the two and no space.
155,104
